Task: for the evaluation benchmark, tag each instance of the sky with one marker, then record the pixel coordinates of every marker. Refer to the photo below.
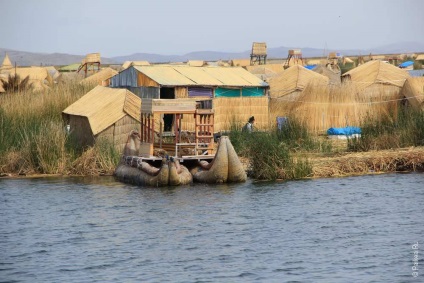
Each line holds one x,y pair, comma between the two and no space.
177,27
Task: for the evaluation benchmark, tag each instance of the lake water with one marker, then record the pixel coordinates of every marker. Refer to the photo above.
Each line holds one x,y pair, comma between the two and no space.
356,229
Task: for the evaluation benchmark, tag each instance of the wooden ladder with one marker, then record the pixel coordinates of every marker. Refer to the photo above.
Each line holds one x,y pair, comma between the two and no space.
204,131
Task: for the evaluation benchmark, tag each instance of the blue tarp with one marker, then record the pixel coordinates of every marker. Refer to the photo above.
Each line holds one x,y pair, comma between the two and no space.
346,131
406,64
310,67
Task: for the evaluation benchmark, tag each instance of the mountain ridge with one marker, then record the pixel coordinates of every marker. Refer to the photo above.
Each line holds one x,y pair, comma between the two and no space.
25,58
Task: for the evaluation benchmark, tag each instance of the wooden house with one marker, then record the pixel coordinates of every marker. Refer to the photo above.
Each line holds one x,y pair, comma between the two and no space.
232,93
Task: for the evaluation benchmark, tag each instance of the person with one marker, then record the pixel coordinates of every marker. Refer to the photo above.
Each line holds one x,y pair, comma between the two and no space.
248,128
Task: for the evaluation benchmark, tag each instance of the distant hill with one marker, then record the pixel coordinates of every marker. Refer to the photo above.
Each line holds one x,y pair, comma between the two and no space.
23,58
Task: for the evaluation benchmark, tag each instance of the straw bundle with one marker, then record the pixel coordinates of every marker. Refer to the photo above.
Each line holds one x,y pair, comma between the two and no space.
413,90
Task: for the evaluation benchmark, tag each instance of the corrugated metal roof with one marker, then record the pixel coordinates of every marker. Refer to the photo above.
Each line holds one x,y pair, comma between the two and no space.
203,76
103,106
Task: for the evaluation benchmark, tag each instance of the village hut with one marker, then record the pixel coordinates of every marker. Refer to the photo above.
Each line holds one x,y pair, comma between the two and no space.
7,64
413,91
377,80
287,87
232,92
54,73
378,86
128,64
102,77
103,113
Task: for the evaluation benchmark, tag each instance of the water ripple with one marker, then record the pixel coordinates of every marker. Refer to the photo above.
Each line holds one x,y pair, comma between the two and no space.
357,229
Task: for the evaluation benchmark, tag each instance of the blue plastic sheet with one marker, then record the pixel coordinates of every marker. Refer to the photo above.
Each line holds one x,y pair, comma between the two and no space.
406,64
347,131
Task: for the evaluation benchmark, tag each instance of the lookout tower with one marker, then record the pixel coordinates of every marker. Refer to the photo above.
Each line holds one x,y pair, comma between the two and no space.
294,58
258,55
91,60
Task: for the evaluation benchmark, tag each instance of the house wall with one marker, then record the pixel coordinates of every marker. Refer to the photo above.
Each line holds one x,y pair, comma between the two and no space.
118,132
143,80
235,111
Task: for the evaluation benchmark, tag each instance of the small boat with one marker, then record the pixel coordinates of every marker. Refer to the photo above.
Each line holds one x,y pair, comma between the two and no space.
224,167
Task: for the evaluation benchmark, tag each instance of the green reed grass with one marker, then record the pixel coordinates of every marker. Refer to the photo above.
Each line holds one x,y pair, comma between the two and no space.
402,129
33,138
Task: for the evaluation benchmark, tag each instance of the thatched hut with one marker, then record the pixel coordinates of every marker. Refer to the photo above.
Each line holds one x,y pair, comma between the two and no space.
413,91
377,80
232,92
102,77
103,113
288,86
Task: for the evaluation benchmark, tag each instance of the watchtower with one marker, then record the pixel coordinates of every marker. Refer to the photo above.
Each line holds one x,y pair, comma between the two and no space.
93,60
258,55
295,56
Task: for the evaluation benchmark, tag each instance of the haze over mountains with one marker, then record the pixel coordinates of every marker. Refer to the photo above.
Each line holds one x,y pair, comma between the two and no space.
24,58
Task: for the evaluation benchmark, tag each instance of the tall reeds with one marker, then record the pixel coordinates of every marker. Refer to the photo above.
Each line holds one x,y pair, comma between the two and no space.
32,134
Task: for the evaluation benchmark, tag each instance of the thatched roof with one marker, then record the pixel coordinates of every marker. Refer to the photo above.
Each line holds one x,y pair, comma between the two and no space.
7,64
295,78
240,62
100,76
420,57
183,75
104,106
266,71
413,90
196,63
377,72
128,64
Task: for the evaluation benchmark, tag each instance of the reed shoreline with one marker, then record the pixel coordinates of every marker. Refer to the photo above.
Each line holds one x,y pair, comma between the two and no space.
340,164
